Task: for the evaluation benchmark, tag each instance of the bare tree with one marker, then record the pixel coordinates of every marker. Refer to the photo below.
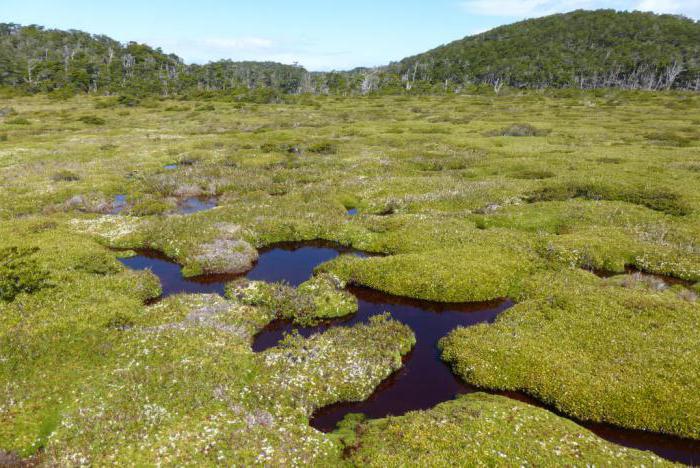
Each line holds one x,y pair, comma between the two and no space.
672,72
498,85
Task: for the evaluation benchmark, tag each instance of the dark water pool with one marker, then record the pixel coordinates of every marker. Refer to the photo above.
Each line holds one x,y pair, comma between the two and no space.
195,204
665,280
118,204
424,380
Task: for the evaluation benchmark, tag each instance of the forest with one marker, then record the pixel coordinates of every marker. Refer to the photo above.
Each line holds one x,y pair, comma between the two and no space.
581,49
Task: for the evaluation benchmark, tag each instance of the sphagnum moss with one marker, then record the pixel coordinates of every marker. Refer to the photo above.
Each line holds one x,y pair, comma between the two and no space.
487,430
593,349
465,215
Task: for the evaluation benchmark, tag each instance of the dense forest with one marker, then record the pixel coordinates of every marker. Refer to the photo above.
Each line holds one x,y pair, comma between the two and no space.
586,49
583,49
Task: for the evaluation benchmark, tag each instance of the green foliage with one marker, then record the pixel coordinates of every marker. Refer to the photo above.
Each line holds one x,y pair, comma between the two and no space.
18,121
329,298
92,120
20,272
480,429
65,175
324,147
120,321
317,299
149,207
519,130
659,199
580,49
669,139
584,49
176,381
614,349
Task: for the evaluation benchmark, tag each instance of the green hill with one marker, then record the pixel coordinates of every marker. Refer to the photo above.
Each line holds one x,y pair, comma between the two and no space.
585,49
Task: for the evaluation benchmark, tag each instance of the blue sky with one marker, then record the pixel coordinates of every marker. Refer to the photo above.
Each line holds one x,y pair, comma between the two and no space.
321,35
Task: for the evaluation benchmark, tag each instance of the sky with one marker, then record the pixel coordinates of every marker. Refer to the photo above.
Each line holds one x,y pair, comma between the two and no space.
318,34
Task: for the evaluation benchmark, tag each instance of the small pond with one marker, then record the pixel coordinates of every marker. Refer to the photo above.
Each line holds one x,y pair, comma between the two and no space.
195,204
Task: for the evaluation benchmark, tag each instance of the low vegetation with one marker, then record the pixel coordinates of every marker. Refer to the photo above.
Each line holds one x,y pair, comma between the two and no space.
481,427
614,352
91,374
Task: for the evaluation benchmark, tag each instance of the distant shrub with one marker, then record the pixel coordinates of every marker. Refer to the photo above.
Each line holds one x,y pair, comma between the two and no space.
261,96
160,184
18,121
128,100
534,174
108,147
98,264
609,160
188,160
107,103
268,147
92,120
654,198
65,176
120,321
43,226
324,147
149,207
19,272
204,108
150,103
61,94
281,148
519,130
3,136
669,139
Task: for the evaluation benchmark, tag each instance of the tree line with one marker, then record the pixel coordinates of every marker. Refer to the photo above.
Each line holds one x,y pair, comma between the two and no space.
582,49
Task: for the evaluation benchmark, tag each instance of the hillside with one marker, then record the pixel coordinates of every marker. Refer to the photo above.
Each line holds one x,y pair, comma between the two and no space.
585,49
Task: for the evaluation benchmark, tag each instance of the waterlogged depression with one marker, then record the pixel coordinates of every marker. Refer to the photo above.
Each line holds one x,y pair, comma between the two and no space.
424,380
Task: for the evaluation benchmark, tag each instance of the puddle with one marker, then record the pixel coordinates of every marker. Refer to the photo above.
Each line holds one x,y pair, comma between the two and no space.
294,262
118,204
170,167
424,380
663,281
170,275
195,204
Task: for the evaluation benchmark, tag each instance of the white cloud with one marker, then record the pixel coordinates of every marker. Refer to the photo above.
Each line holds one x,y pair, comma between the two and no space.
689,8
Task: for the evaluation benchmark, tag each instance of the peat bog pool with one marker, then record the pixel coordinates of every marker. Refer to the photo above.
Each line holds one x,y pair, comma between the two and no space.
424,380
194,204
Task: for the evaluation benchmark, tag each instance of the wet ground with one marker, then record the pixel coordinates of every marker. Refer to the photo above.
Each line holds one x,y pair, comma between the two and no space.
424,380
195,204
664,281
118,204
